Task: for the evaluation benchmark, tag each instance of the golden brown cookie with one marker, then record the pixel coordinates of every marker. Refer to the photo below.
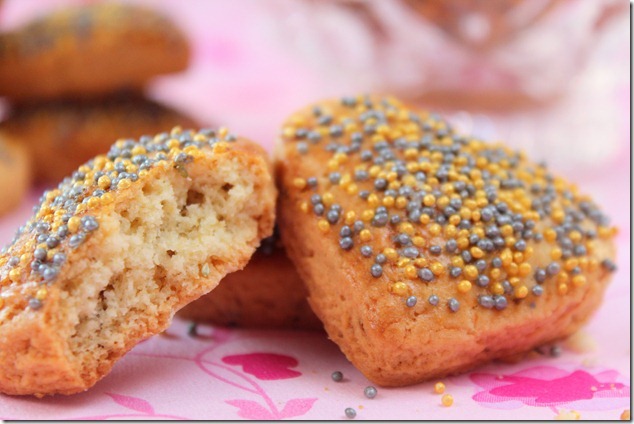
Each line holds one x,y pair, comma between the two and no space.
112,253
61,135
89,50
267,293
426,252
15,174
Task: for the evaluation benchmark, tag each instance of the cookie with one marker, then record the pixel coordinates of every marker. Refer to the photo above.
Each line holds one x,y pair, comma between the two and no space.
61,135
15,174
89,50
267,293
426,252
118,247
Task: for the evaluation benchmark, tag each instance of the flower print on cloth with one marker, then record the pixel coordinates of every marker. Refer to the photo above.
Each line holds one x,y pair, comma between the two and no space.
545,386
265,366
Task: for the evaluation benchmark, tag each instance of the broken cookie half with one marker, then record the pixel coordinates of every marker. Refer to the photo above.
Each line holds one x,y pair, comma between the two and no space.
118,247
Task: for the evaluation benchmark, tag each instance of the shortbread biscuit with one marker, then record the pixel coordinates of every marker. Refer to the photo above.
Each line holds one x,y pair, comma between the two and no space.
426,252
89,50
268,293
118,247
61,135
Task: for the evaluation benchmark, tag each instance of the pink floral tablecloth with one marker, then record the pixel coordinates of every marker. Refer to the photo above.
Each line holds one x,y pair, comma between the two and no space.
240,79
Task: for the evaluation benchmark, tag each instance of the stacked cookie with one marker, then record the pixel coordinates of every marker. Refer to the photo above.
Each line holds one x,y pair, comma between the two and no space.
423,252
75,79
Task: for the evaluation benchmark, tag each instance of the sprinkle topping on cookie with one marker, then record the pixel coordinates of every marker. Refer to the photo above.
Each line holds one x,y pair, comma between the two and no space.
67,216
440,205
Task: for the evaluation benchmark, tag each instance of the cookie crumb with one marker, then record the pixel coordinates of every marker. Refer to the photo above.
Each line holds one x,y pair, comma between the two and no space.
581,342
568,415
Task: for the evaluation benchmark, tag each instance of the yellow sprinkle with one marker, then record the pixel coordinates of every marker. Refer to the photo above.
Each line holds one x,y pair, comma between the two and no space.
373,200
555,254
327,199
403,262
399,288
323,225
521,292
437,268
340,157
571,264
450,231
562,277
435,229
138,150
470,271
374,171
407,228
93,202
73,224
351,216
558,215
14,274
429,200
41,293
103,182
107,198
578,280
388,201
124,183
299,183
562,288
463,242
496,288
390,253
525,269
550,235
418,241
476,252
220,147
173,144
410,271
447,400
420,262
365,235
464,286
303,206
367,215
575,236
424,219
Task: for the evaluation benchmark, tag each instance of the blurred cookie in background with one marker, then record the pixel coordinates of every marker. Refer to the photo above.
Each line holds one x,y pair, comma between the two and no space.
15,174
89,50
267,293
61,135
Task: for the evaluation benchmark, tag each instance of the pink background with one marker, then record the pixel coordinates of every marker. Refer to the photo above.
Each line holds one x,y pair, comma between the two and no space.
244,76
